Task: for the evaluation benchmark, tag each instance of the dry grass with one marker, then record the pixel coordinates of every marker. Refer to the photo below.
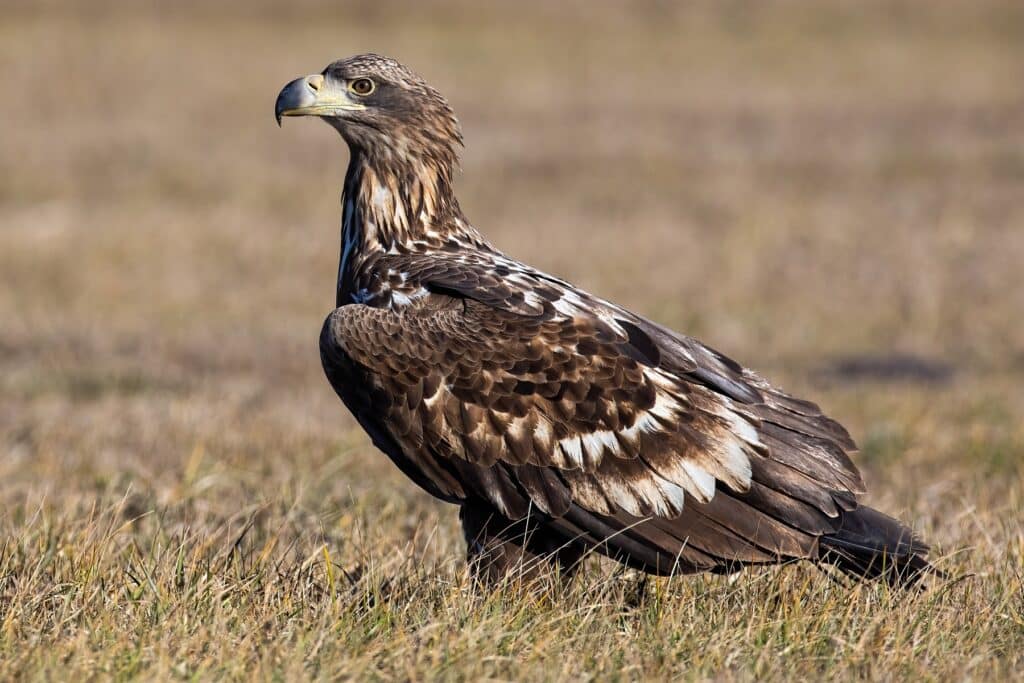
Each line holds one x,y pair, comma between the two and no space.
796,183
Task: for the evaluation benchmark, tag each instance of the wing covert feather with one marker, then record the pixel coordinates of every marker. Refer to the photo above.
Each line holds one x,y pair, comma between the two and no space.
519,390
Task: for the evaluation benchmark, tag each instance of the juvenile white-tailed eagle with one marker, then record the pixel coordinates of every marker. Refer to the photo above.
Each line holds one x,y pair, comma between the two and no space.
558,421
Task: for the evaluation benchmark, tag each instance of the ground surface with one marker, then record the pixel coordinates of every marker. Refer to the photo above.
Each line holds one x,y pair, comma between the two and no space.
834,195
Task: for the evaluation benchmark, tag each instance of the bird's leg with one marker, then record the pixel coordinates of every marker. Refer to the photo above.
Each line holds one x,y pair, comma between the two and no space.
498,547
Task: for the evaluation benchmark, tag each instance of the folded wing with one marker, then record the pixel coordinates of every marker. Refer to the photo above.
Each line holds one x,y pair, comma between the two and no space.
502,384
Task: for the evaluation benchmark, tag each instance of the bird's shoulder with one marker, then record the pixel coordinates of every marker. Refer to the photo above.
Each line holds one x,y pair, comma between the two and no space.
417,280
456,286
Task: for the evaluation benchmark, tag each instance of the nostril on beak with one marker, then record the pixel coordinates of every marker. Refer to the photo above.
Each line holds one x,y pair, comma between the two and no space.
315,82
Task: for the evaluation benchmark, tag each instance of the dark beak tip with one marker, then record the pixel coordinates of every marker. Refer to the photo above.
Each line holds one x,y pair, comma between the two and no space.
278,109
290,97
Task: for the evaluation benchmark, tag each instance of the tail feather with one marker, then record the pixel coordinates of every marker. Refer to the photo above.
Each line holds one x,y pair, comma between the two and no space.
872,545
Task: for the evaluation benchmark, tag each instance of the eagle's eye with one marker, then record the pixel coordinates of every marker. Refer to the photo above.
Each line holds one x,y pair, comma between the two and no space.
361,86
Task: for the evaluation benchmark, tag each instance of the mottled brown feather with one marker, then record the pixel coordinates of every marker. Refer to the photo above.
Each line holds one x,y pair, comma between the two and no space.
490,383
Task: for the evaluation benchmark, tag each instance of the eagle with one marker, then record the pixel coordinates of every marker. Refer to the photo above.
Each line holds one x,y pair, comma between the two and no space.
560,423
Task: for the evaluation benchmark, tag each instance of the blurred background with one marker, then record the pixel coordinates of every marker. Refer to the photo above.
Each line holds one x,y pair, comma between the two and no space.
832,193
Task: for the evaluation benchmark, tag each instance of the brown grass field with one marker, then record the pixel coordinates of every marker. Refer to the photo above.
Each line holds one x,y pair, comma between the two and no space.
831,192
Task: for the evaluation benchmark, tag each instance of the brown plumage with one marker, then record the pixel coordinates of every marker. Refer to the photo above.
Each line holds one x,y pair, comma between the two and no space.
558,421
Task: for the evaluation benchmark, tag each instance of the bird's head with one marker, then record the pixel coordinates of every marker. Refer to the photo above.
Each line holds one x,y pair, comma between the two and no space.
380,107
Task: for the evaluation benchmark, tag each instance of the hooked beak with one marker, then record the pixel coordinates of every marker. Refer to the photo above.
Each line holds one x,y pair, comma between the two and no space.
314,95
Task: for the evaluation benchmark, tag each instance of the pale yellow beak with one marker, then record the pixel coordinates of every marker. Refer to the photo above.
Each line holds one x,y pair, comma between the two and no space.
314,95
